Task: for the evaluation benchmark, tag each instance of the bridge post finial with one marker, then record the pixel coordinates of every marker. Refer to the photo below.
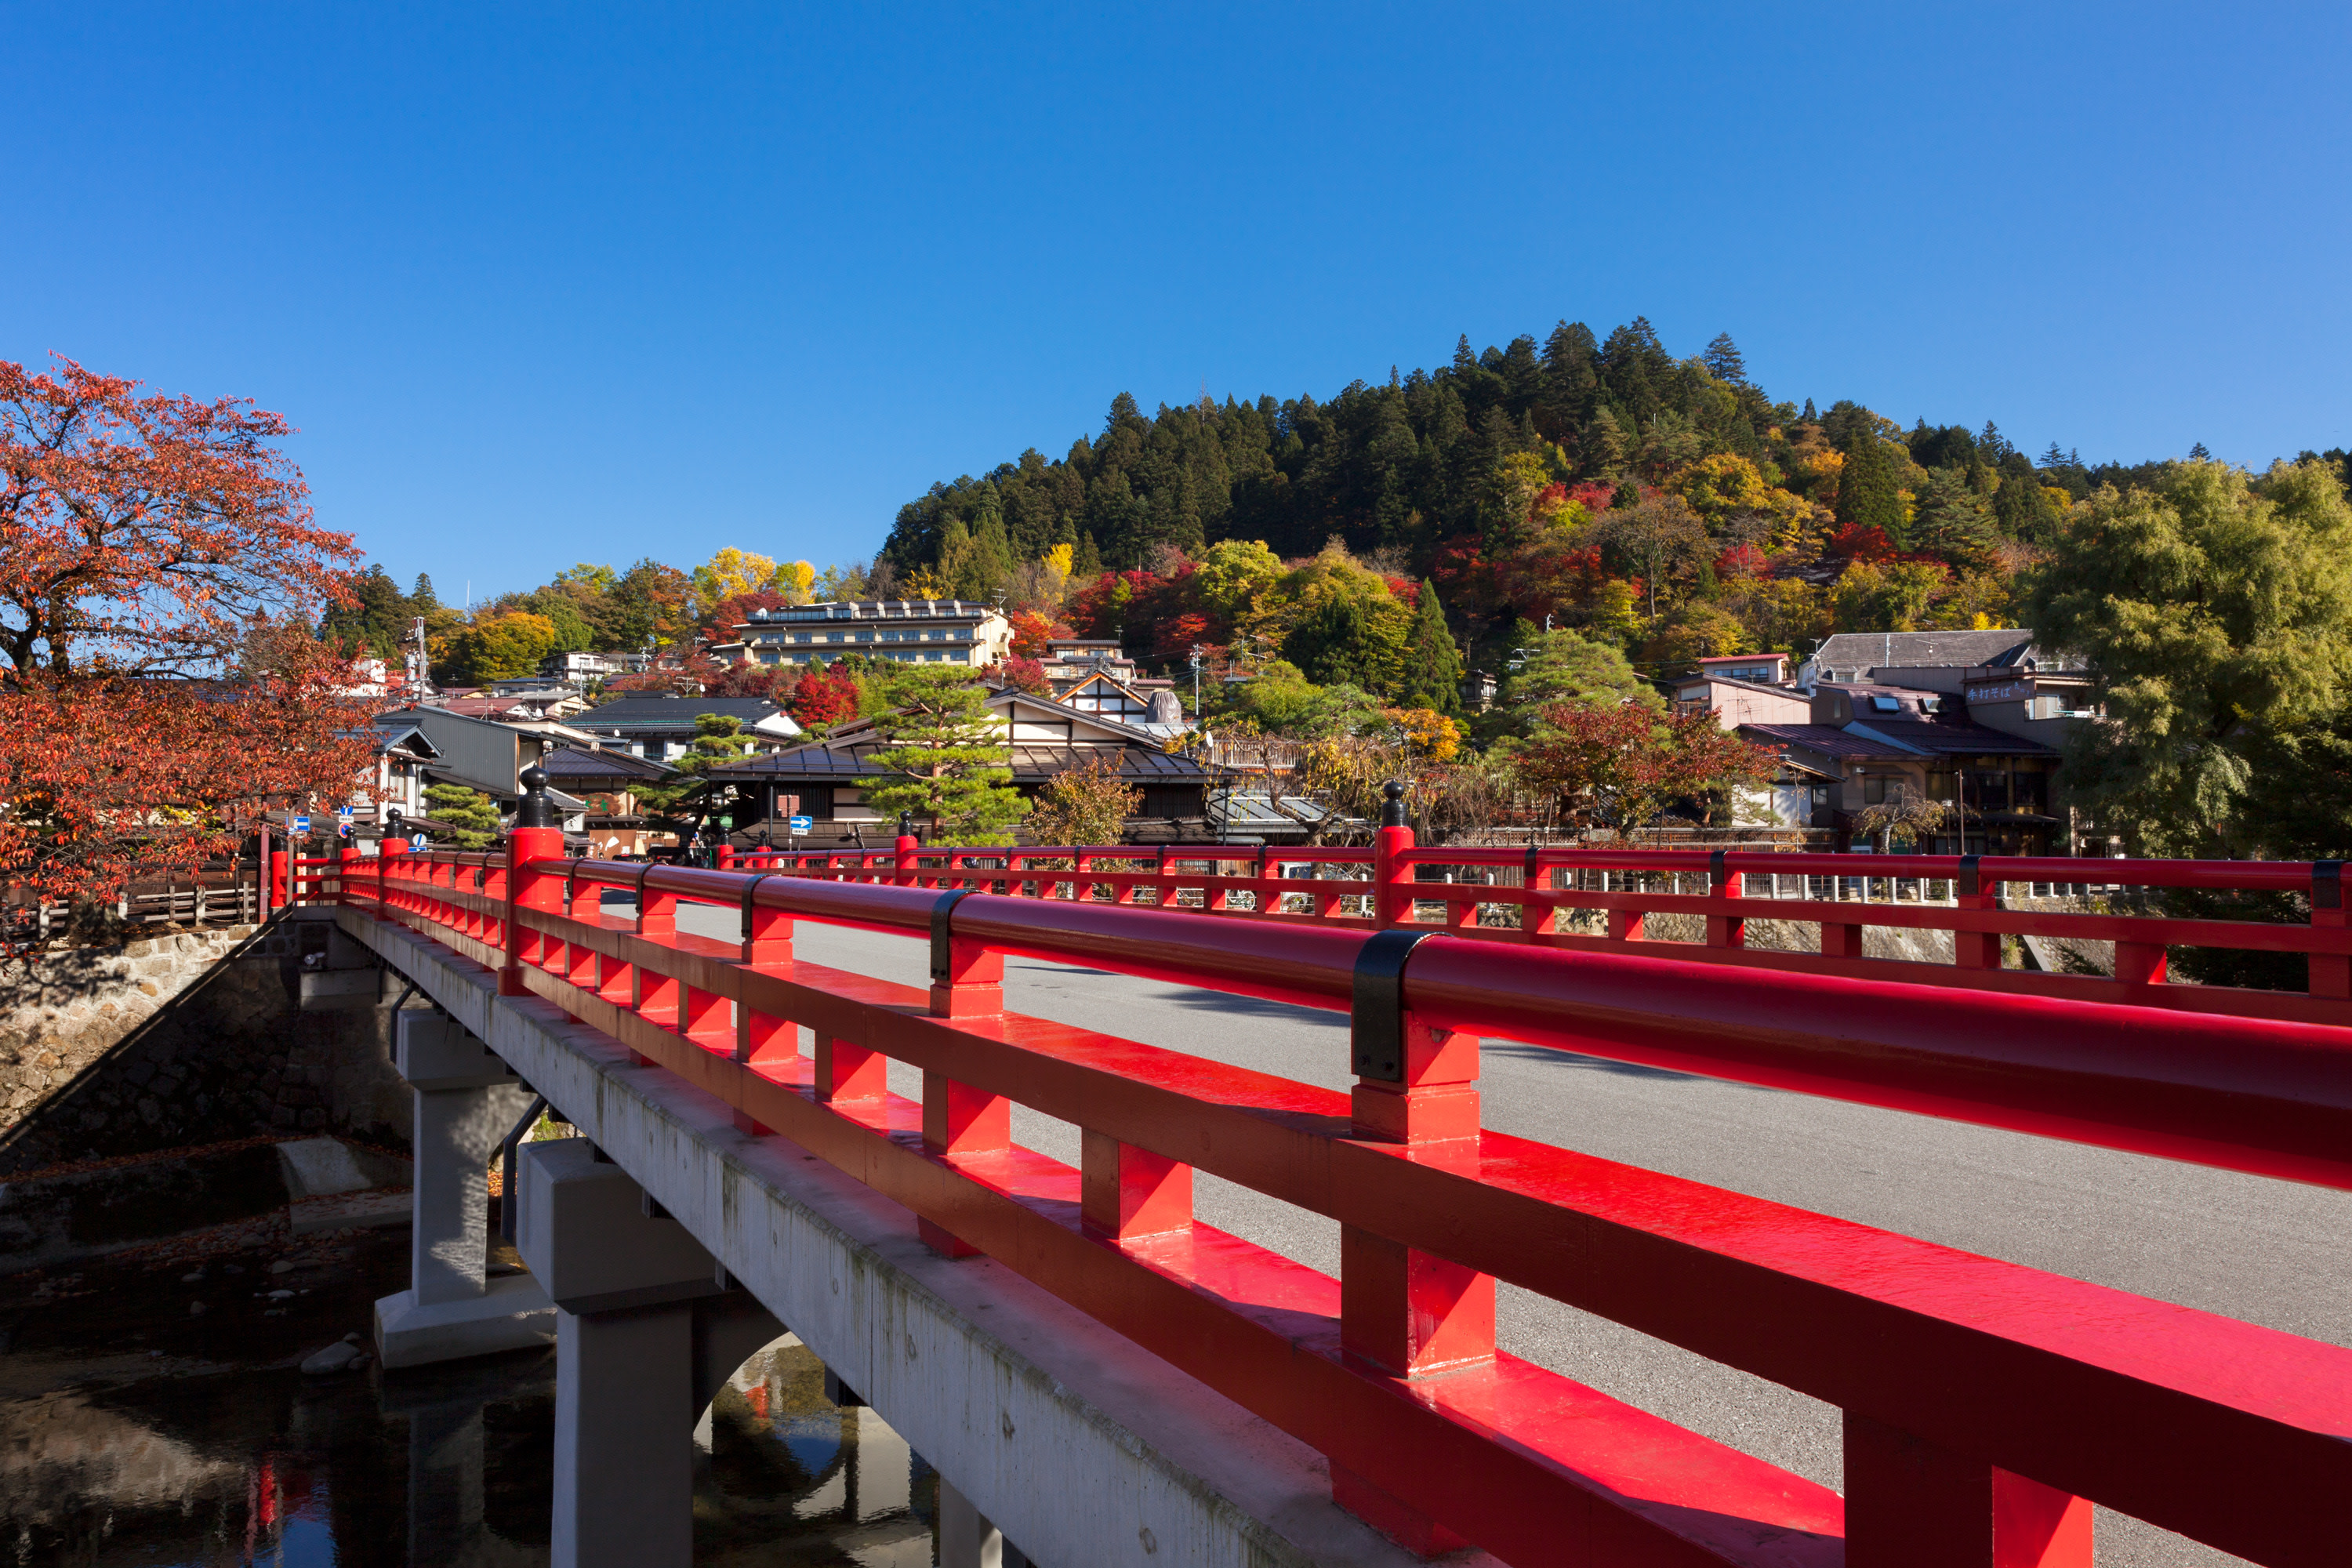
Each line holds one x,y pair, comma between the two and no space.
536,810
1392,808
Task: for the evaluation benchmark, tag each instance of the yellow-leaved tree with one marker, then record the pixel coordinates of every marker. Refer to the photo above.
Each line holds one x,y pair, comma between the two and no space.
728,573
794,579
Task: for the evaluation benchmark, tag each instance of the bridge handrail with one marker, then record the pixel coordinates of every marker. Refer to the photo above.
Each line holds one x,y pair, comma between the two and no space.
1520,898
2231,1433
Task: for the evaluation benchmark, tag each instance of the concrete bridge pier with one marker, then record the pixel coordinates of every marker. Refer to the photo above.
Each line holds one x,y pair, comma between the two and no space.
967,1539
648,1326
466,1100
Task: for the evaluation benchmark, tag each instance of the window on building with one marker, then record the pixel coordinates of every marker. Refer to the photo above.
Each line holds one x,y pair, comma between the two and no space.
1985,789
1939,786
1887,704
1873,789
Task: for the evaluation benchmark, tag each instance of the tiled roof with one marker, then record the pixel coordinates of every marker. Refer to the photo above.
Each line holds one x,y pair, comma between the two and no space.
572,765
1953,737
828,761
1827,738
1913,650
657,711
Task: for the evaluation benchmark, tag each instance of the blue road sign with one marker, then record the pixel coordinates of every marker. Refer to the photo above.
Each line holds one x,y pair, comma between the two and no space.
799,824
302,825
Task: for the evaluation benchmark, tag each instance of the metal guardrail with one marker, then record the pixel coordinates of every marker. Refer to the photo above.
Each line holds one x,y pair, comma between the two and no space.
1986,1404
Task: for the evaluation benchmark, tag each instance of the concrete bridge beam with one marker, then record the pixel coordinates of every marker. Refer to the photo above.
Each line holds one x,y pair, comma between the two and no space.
466,1100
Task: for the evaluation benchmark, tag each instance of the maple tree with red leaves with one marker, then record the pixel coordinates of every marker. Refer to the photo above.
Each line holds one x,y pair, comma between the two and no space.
1621,764
1025,675
824,697
1032,632
160,573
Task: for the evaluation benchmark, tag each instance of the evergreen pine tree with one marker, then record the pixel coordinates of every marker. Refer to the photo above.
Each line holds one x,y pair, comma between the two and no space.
1432,677
1723,362
469,817
1605,446
2019,506
2198,454
945,751
422,600
1866,494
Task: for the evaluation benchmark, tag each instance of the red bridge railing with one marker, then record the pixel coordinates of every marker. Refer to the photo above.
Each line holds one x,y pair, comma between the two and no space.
1985,1403
1548,898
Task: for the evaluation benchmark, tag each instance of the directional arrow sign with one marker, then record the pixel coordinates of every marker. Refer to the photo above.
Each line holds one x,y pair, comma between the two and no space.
799,824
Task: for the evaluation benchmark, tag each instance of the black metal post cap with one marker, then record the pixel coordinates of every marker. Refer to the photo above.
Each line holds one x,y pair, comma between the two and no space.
1392,813
906,825
537,810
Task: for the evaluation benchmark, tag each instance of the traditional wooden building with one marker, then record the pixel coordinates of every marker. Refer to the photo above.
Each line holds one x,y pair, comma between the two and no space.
1043,737
607,782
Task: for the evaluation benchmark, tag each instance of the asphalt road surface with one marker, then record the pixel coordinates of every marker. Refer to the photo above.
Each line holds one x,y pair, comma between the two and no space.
2269,1252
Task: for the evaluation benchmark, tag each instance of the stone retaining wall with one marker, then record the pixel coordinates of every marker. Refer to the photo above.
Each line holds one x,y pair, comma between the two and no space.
180,1039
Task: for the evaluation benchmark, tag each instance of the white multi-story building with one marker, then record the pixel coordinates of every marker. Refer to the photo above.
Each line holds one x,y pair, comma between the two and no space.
924,631
582,667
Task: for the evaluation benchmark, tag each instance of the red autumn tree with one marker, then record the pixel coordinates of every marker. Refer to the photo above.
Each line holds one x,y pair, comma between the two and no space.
160,573
1621,764
824,697
1025,675
1032,631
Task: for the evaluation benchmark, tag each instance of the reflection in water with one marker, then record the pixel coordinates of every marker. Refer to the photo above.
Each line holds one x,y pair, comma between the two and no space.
789,1477
134,1433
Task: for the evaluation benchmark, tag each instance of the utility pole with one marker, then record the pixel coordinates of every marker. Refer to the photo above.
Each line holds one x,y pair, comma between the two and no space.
1197,651
420,662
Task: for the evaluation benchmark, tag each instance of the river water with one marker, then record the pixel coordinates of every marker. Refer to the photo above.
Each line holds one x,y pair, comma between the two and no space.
154,1415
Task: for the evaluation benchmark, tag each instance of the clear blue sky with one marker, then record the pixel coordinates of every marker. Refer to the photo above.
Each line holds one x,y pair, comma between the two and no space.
542,285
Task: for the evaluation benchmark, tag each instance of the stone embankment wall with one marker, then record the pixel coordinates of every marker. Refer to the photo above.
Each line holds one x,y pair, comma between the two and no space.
181,1039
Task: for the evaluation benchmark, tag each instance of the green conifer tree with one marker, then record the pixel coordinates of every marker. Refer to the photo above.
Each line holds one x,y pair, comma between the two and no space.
1723,362
472,816
1866,493
946,752
1432,675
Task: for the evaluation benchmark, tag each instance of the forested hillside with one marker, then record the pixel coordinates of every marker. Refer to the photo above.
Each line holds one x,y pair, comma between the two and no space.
1670,506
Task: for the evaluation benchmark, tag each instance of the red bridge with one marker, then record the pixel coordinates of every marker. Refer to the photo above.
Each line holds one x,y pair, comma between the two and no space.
1987,1406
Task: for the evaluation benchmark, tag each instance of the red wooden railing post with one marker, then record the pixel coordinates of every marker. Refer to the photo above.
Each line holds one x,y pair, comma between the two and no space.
389,850
967,981
1408,1312
1976,948
280,881
536,837
904,862
1724,930
1910,1504
762,1039
347,861
2331,972
1391,879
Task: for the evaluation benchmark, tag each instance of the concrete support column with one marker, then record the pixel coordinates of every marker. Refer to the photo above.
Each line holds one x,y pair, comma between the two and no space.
633,1295
967,1539
465,1100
